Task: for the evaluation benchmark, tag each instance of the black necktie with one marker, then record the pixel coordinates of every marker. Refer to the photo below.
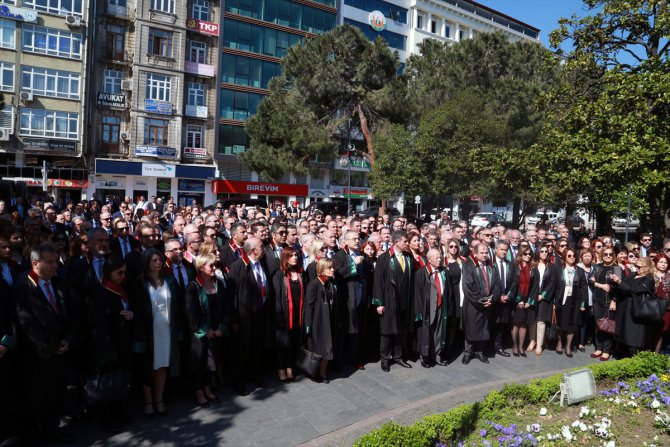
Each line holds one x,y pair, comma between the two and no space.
502,274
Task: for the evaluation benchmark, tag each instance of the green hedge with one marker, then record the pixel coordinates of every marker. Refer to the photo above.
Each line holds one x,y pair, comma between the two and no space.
460,421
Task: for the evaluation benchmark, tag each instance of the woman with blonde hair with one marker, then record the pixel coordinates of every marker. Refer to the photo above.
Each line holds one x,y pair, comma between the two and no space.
317,251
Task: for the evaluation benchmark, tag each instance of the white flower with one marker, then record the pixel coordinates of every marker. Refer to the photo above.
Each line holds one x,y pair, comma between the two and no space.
655,404
609,444
617,400
565,431
606,422
584,412
543,411
582,426
576,424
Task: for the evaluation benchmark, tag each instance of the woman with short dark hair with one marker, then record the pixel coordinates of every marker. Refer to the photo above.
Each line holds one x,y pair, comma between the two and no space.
570,298
321,309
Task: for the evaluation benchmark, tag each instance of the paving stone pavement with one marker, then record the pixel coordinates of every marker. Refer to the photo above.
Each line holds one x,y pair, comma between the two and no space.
317,414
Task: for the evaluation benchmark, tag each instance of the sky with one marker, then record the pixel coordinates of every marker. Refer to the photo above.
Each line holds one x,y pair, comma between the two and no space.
542,14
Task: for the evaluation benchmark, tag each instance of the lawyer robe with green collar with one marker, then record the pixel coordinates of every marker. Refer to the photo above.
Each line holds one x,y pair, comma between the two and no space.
425,297
475,287
393,289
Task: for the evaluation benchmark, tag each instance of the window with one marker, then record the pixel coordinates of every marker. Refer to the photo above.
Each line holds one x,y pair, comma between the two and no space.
6,77
233,140
198,52
115,43
49,123
7,117
242,70
47,82
62,7
156,132
419,22
158,87
433,26
7,34
118,7
160,42
257,39
194,136
163,6
460,34
196,94
111,129
112,81
54,42
200,10
447,31
239,105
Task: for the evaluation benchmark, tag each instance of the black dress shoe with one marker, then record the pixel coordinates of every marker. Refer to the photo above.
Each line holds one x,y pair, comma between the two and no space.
523,354
260,383
386,367
482,358
403,363
60,437
426,364
325,379
466,359
239,389
501,352
442,362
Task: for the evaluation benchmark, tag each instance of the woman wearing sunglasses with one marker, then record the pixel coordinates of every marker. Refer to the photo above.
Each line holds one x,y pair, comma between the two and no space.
622,261
603,300
543,294
453,265
662,279
571,296
523,283
587,325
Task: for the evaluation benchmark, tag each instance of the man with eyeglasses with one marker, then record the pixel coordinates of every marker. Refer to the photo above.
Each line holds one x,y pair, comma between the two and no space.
274,248
385,238
233,250
182,272
350,277
531,236
106,223
121,243
666,247
485,236
645,244
146,235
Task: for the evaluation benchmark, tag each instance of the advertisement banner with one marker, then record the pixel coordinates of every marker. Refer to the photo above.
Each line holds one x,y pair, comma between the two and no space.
158,170
194,153
156,151
160,107
19,14
111,99
209,28
260,188
50,146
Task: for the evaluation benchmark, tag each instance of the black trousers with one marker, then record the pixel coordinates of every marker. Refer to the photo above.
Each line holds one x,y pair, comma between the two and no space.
390,347
499,330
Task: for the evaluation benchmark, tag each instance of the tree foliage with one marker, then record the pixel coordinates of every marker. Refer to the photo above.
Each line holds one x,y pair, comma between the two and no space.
607,127
337,77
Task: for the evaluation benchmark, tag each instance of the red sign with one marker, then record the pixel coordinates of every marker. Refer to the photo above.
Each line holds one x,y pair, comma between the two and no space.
209,28
57,183
260,188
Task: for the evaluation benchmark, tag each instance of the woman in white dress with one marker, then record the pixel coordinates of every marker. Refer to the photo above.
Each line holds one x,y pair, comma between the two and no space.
158,329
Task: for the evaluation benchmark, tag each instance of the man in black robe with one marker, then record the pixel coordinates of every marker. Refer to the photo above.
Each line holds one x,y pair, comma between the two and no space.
481,288
431,295
234,248
392,295
252,309
274,248
502,309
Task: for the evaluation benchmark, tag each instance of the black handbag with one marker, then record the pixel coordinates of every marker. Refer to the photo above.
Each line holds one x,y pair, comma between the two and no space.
648,308
551,332
308,361
104,387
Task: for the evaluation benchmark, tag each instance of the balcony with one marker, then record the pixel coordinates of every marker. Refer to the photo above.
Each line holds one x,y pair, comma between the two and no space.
203,70
196,111
117,11
115,56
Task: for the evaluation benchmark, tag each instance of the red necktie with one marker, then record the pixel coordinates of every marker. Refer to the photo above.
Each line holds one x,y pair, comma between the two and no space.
51,298
438,284
486,279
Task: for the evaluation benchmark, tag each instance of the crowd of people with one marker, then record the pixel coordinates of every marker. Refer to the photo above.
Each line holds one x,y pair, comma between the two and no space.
99,297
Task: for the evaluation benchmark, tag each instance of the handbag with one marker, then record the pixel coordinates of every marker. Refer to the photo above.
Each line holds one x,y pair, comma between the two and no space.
551,333
308,361
606,324
648,308
104,387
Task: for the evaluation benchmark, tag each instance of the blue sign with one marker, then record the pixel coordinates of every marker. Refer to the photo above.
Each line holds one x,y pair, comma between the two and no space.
160,107
20,14
156,151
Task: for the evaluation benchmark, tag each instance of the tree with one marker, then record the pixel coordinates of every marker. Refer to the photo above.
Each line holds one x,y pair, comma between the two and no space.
331,83
607,128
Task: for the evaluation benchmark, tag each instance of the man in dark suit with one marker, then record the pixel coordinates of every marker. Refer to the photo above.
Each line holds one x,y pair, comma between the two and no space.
46,333
392,296
502,309
182,272
233,250
20,207
49,222
252,309
122,243
481,288
351,279
274,248
146,234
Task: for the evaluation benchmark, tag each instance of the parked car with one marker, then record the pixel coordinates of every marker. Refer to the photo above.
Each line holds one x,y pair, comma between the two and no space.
332,208
485,219
619,222
374,211
540,216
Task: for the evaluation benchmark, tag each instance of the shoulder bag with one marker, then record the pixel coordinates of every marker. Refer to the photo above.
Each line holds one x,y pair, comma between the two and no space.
648,308
606,324
307,361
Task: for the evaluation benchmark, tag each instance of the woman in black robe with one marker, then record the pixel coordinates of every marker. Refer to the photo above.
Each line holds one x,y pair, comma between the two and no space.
110,315
321,314
543,295
630,331
603,302
288,311
571,296
205,319
520,292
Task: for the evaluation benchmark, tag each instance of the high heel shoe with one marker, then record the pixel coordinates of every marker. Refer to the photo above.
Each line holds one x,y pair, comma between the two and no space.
598,355
204,404
531,347
213,398
149,409
160,408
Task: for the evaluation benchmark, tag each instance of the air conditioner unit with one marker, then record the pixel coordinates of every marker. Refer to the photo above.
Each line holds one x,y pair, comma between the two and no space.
73,21
26,96
4,133
126,84
125,136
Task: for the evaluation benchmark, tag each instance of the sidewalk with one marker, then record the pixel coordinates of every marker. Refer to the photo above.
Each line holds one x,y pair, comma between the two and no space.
334,414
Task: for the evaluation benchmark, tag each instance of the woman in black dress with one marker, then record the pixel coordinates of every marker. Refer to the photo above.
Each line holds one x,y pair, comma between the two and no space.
570,298
587,326
453,264
543,294
205,322
110,315
321,314
371,331
524,311
630,331
288,290
603,302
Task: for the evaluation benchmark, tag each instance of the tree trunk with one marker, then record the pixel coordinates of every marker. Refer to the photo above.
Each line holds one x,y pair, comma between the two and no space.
603,219
656,224
365,129
516,213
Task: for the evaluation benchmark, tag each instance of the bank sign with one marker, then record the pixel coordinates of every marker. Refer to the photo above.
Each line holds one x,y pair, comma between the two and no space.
111,100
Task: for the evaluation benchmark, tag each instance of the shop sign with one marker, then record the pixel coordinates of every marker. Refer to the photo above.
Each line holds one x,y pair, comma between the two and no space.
260,188
194,153
160,107
158,170
209,28
51,146
377,21
156,151
139,183
110,183
356,193
61,183
317,193
357,163
19,14
111,99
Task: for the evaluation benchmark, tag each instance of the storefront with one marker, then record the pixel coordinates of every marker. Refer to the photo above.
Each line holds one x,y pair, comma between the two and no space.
184,183
272,192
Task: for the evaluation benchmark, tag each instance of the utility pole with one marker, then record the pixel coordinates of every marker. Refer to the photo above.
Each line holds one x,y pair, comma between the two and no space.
630,193
45,175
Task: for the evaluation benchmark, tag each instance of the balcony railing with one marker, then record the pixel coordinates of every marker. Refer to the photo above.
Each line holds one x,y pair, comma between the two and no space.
116,10
199,69
117,56
196,111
